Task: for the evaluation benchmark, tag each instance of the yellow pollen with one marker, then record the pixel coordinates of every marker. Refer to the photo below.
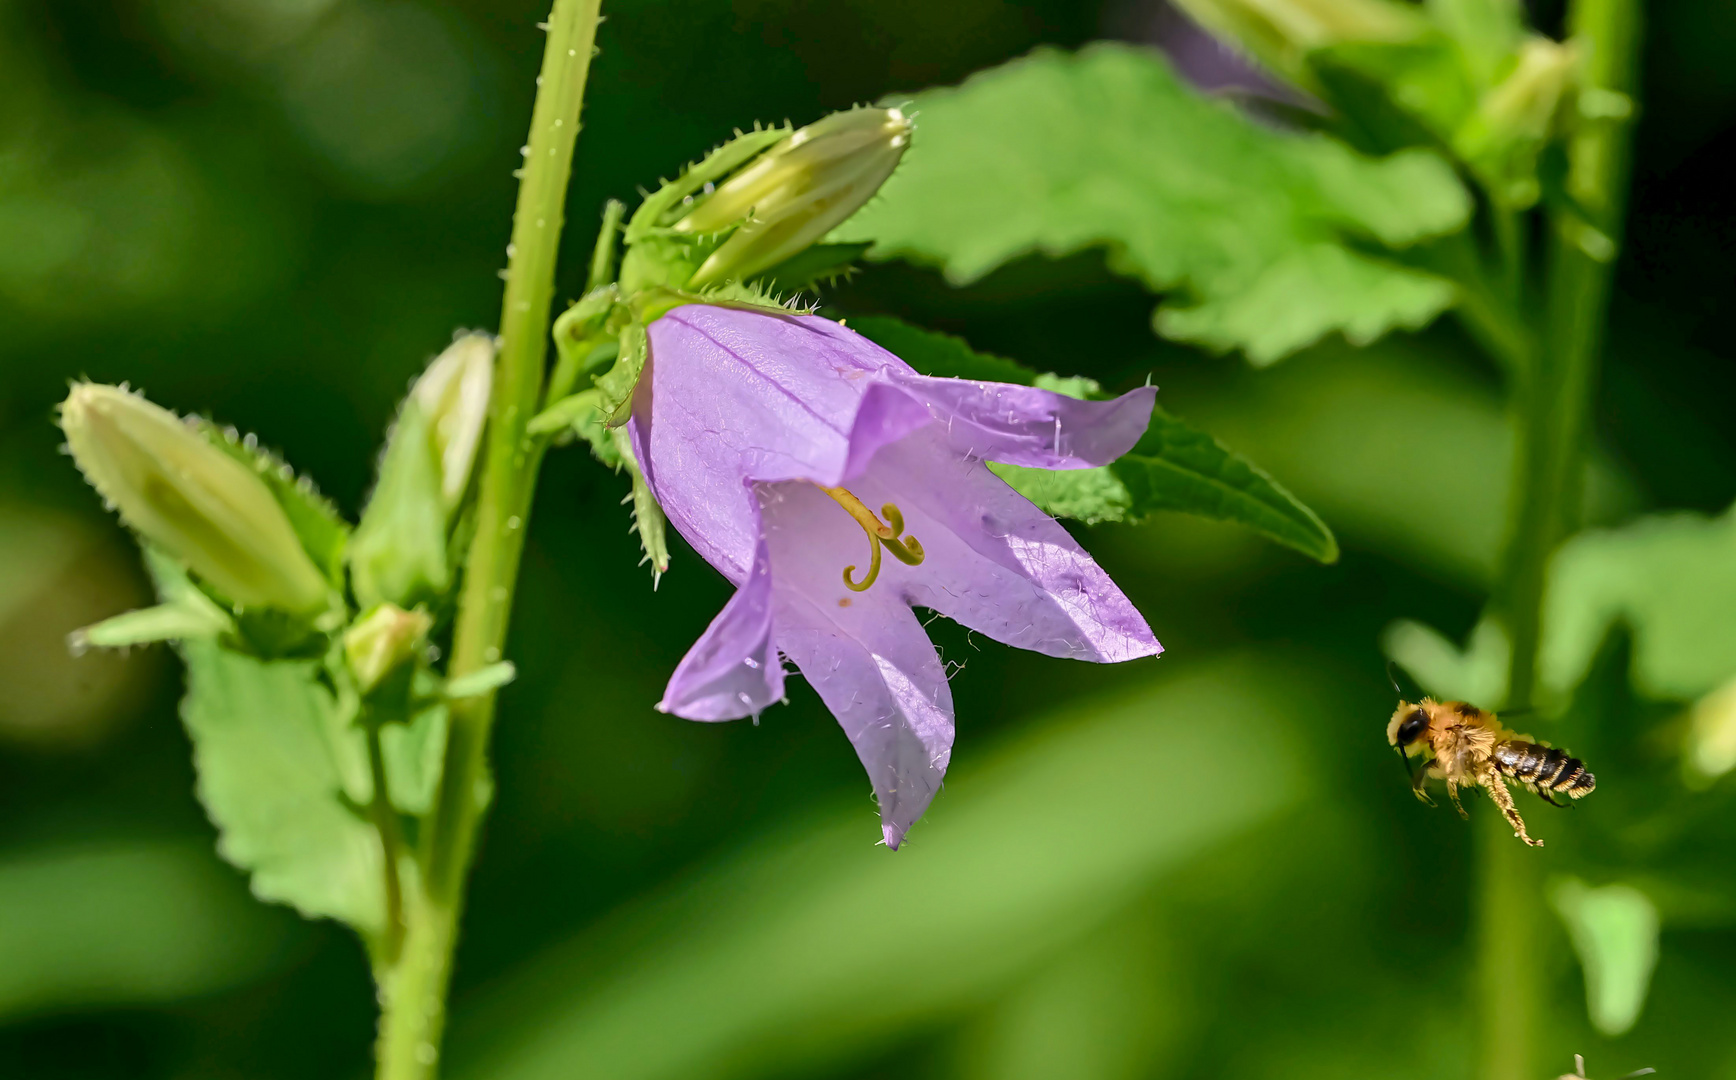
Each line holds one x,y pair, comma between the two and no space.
907,550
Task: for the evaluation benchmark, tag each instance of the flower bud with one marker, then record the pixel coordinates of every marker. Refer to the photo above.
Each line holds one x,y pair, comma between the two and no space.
1281,33
398,553
189,498
453,394
381,641
1502,139
798,191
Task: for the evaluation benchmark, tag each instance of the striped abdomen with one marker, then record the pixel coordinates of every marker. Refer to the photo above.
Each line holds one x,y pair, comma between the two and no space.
1543,767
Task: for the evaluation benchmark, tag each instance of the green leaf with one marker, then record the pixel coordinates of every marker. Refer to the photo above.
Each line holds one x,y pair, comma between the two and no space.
1397,94
1173,466
1477,673
1670,579
1247,225
414,754
934,353
1614,929
279,768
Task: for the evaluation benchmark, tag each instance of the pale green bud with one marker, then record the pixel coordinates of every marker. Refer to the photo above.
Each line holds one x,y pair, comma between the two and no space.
192,500
1502,139
798,191
382,641
1281,33
398,553
453,394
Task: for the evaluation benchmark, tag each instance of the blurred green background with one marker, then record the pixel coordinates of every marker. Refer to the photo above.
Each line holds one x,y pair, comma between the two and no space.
275,211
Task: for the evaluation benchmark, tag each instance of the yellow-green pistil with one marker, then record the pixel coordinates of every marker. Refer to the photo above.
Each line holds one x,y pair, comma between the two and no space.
906,549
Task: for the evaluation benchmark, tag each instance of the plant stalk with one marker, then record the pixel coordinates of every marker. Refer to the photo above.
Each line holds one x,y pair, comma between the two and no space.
1554,393
413,996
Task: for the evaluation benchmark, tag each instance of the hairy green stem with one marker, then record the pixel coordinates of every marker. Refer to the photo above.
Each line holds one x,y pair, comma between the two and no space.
413,995
1554,393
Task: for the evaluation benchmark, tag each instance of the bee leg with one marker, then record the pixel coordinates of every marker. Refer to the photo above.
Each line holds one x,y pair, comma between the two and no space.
1417,780
1543,794
1453,794
1504,799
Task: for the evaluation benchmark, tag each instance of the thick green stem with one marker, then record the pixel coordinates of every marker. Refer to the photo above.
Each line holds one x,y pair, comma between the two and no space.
413,995
1554,392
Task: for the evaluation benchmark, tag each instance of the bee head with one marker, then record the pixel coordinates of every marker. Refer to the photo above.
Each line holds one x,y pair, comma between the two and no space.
1407,725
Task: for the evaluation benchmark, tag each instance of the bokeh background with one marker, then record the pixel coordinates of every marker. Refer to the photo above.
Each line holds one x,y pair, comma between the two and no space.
275,211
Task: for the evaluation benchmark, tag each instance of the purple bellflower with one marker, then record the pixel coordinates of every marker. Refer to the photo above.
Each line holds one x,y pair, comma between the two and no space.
769,438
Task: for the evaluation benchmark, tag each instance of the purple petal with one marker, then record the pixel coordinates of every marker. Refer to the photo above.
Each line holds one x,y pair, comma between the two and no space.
731,397
865,654
732,670
1022,425
995,562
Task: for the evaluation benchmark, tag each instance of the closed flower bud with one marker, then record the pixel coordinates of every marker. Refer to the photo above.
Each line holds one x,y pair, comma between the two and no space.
189,498
798,191
1502,139
1281,33
398,554
453,394
382,641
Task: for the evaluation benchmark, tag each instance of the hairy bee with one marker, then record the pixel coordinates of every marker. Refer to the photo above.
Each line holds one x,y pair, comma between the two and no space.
1468,747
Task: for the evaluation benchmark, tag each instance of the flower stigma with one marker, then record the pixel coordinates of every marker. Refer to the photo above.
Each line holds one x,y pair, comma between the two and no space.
907,549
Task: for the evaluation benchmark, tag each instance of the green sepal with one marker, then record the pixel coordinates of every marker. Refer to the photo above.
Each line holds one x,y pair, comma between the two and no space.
584,341
617,384
722,161
583,415
818,265
398,553
648,519
322,531
185,613
1172,467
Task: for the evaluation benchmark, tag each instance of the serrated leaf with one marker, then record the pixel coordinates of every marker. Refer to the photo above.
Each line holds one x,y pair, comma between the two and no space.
1056,153
1172,467
1177,467
1670,579
278,769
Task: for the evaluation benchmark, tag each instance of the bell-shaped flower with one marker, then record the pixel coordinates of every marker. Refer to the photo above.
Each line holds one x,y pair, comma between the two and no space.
781,445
